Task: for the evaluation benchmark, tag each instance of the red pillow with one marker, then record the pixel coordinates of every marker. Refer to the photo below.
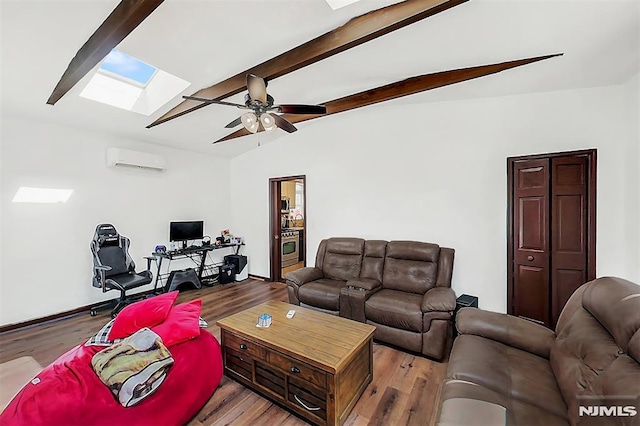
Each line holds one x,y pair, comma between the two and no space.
182,324
145,313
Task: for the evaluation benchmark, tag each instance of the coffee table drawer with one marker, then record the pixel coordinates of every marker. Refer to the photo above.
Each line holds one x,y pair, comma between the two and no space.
241,345
298,369
312,401
238,363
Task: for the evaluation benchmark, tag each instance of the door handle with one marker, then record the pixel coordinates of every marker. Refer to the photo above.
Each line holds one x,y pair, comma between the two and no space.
277,237
530,258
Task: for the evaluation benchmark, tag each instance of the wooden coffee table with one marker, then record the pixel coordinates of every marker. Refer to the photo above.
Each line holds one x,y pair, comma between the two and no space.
315,364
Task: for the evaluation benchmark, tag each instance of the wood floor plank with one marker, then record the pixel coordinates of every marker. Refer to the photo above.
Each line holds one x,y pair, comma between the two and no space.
389,405
356,420
404,390
417,410
385,364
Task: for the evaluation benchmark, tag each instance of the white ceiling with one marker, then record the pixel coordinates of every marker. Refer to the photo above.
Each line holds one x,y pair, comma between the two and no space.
207,41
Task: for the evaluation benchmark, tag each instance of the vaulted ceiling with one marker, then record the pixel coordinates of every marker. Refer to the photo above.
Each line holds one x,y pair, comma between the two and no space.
207,41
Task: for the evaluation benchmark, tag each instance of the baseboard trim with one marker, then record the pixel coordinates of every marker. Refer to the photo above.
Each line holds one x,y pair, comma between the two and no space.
60,315
258,277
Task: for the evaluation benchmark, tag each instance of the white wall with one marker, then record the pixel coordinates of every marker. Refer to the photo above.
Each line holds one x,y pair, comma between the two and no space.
46,261
437,172
632,181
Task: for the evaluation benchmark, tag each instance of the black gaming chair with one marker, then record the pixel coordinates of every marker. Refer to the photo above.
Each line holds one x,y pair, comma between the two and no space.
113,268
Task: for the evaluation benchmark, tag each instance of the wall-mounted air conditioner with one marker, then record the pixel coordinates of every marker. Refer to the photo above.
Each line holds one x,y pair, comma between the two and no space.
127,157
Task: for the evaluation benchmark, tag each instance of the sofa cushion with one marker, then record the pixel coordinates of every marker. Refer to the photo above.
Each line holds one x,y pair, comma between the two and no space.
343,258
467,403
413,250
506,370
323,293
373,260
410,266
395,309
409,340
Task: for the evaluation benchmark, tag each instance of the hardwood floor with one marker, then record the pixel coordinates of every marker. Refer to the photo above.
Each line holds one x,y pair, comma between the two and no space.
404,390
291,268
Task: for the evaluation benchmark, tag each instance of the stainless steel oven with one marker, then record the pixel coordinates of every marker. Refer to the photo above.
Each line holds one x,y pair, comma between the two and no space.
290,246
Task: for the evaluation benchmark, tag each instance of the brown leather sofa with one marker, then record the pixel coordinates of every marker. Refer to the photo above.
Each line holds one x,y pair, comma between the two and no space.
507,370
403,288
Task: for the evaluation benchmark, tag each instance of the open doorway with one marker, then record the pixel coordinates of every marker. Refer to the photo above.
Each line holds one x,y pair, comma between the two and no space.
288,219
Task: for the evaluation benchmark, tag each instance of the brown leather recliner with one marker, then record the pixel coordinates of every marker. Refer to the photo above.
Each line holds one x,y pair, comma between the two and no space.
411,301
401,287
507,370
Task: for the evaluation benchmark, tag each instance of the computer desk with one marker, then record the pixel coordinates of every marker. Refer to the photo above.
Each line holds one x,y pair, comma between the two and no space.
198,254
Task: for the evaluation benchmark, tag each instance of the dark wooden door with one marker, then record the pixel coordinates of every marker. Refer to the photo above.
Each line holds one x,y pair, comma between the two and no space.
275,224
531,240
551,226
275,229
568,229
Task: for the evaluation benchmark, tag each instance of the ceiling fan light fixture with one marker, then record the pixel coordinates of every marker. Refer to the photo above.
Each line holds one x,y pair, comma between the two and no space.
268,122
250,122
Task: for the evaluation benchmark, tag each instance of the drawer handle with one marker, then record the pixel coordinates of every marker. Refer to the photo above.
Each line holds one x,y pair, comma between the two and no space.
530,258
295,369
243,346
305,405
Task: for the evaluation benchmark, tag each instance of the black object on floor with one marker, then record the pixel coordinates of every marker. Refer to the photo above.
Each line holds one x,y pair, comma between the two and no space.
464,301
237,260
182,279
227,274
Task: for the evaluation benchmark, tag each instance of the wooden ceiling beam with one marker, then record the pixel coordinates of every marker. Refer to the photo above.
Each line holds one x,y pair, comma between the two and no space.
402,88
357,31
127,15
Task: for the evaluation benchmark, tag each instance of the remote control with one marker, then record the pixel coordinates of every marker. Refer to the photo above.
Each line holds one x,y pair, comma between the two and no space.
291,313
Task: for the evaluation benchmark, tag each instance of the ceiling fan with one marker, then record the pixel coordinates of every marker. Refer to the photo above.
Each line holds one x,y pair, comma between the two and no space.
262,111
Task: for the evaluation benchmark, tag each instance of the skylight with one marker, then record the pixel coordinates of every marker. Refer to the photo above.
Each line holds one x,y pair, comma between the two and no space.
26,194
125,82
337,4
128,67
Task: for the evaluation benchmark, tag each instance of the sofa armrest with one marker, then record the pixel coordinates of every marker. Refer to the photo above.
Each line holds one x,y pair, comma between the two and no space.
304,275
299,277
441,299
507,329
364,284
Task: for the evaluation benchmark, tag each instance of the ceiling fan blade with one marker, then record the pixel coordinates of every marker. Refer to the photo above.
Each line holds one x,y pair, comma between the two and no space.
213,101
234,123
284,124
257,88
301,109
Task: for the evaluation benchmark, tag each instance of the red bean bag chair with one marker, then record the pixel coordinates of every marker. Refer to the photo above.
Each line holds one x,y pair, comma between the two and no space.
68,392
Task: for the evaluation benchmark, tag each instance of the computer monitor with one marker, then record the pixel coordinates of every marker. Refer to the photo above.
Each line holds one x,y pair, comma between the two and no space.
184,231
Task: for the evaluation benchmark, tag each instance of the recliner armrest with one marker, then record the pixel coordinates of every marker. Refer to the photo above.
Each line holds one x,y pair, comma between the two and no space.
507,329
365,284
439,299
304,275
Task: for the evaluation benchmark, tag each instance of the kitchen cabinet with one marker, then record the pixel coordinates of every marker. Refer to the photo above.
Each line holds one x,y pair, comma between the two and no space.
288,190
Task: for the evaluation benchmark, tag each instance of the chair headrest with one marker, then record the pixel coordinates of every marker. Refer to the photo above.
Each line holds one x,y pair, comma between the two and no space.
106,233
